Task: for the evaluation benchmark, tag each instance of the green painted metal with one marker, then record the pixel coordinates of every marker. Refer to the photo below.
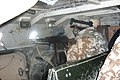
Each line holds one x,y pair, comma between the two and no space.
86,69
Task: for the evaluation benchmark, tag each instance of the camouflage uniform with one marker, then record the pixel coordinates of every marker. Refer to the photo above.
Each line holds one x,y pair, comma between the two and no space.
111,68
88,43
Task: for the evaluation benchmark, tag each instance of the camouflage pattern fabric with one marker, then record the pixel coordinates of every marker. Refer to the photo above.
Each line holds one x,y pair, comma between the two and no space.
111,68
88,43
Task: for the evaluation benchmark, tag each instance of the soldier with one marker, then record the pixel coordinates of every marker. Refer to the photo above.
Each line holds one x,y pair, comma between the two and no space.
88,43
111,68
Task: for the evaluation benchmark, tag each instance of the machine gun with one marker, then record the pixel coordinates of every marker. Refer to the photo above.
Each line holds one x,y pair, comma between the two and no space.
53,39
56,41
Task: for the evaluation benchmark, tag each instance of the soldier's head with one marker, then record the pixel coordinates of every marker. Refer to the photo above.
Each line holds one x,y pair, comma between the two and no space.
79,25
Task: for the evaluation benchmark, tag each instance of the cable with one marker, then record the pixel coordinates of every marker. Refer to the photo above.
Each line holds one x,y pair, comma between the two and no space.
42,57
7,64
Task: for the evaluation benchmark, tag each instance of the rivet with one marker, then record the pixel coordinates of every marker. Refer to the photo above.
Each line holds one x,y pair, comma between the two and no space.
67,70
69,74
66,75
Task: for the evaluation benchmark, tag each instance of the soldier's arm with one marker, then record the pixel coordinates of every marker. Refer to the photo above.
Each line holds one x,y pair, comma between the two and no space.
111,69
